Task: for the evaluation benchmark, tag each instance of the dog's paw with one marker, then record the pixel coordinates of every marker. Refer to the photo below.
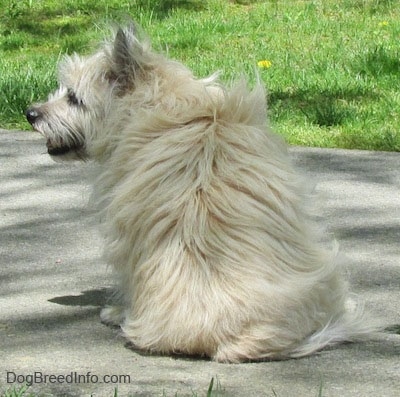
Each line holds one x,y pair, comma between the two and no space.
112,315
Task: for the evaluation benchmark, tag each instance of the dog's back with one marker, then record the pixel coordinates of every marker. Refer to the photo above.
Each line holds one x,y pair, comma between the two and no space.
211,232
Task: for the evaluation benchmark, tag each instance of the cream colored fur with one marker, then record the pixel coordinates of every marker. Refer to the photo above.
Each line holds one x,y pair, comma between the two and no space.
206,221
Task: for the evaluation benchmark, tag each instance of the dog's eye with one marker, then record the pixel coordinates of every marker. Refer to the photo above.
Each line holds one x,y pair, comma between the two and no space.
72,98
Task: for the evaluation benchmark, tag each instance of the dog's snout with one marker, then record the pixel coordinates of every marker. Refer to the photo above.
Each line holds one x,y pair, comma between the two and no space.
32,114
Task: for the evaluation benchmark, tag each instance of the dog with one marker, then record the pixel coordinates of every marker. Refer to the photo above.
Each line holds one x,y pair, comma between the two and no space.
208,226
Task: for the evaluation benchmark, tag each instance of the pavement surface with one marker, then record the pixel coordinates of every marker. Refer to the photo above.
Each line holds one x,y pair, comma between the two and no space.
53,283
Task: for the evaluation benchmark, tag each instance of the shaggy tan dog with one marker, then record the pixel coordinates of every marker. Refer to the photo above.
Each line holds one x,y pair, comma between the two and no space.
206,222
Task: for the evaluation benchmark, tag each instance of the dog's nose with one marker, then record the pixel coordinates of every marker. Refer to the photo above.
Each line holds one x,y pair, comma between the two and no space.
32,115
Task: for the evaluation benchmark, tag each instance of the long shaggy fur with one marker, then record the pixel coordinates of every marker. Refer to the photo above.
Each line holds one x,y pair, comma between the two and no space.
206,222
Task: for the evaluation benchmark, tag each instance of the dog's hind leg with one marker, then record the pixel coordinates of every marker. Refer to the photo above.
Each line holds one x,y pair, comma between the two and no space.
243,350
113,315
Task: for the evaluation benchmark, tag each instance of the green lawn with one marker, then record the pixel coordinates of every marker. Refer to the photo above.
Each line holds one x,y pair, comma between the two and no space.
333,70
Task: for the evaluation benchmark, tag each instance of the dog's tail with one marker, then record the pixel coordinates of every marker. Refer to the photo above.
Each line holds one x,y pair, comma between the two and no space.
353,325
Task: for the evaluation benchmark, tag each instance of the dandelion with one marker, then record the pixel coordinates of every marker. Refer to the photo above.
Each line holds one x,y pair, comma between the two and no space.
265,64
383,23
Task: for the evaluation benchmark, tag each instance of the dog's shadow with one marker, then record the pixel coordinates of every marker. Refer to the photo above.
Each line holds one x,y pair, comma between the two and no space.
95,297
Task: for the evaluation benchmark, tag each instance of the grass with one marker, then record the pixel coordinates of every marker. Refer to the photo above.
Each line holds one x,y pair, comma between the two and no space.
18,392
214,390
332,74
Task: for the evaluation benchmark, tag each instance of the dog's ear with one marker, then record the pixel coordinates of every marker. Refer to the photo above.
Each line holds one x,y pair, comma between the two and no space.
126,55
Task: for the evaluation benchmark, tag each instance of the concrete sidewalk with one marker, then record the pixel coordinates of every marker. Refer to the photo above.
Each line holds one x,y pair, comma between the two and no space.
54,282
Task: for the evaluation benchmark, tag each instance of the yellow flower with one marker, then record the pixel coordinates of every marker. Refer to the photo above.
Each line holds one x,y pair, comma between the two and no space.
383,23
265,64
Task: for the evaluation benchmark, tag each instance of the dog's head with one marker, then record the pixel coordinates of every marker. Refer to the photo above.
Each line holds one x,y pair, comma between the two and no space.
77,110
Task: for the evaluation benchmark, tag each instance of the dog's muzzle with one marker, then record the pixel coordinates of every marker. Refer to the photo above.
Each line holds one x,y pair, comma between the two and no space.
33,115
74,148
